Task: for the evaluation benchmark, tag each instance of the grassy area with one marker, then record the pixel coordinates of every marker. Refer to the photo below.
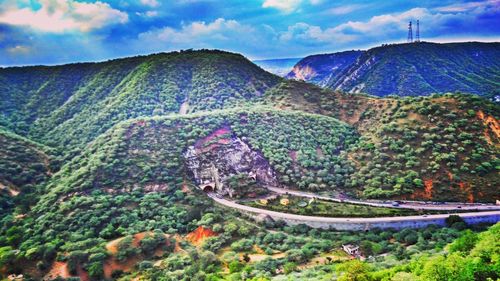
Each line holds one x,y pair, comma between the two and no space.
302,206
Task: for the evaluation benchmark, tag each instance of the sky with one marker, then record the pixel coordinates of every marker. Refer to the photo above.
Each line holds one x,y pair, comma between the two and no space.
63,31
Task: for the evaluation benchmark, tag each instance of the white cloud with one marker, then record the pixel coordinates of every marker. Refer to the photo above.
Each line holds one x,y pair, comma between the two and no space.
382,28
19,50
148,14
64,15
463,7
345,9
311,34
195,32
150,3
287,6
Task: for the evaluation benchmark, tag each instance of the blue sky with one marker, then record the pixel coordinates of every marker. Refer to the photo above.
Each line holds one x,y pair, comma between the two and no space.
62,31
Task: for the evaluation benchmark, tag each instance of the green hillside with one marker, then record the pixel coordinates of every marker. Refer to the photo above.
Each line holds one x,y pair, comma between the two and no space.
70,105
24,167
106,157
413,69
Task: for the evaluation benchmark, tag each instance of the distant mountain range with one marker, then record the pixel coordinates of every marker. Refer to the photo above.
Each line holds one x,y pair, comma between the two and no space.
279,67
407,69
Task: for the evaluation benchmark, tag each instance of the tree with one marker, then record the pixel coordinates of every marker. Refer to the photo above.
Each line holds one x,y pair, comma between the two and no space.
289,267
235,266
452,219
464,243
353,270
6,256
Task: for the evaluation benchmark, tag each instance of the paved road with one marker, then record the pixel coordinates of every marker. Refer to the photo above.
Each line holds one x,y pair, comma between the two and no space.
288,216
446,206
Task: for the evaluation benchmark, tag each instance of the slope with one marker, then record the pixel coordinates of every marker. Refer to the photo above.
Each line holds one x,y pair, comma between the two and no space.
414,147
408,69
23,165
70,105
320,69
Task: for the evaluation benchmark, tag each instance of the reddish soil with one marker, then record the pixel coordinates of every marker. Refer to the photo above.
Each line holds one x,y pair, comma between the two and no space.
140,123
493,125
215,134
199,235
61,269
450,175
426,193
466,188
112,264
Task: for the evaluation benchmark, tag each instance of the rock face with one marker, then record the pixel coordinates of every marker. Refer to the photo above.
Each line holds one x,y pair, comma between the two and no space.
214,159
321,69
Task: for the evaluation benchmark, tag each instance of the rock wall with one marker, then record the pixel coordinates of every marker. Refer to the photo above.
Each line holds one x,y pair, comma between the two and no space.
222,154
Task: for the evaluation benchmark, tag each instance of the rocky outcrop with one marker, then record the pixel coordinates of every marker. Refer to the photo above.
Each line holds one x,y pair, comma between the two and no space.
321,69
214,159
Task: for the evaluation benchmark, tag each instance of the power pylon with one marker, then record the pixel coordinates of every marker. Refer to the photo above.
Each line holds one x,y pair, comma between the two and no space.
410,33
417,35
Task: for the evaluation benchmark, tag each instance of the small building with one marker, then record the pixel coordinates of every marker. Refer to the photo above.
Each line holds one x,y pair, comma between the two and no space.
352,250
15,277
285,202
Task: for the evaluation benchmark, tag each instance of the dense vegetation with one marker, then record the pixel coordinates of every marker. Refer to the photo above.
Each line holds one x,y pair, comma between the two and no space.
96,151
300,253
413,147
306,150
408,69
24,167
60,107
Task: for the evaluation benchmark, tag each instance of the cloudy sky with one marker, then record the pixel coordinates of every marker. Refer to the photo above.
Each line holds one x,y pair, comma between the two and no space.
61,31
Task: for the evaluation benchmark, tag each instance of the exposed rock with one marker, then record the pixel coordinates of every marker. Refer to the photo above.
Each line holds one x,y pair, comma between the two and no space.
221,155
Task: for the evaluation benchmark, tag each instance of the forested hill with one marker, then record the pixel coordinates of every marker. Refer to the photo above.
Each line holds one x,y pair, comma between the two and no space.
409,69
71,104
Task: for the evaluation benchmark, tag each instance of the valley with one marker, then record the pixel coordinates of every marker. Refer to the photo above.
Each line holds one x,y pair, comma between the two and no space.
154,168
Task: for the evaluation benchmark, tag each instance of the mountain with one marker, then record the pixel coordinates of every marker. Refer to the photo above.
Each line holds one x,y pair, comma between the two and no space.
412,147
407,69
319,69
280,67
70,105
111,161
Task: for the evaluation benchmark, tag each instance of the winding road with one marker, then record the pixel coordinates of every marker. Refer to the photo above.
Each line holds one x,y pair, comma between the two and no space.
275,214
415,205
359,223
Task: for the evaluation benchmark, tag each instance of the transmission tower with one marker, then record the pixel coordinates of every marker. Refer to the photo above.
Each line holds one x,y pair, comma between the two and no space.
417,34
410,33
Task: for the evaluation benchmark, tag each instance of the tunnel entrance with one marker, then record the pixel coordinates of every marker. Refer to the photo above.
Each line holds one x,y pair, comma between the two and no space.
208,188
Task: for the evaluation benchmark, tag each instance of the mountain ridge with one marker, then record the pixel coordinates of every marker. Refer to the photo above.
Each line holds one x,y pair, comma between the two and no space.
412,69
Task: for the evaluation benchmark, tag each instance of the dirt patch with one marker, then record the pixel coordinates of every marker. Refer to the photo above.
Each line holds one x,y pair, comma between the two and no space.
261,257
325,259
215,135
199,235
492,125
425,194
9,189
467,189
112,264
60,269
